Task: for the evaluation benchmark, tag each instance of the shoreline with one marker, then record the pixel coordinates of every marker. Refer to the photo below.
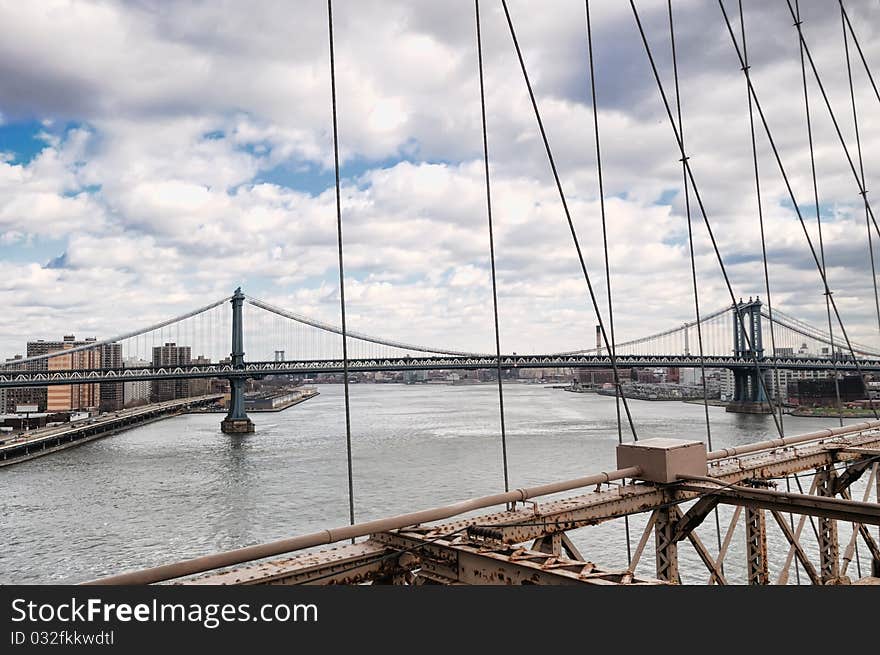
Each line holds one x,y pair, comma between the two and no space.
287,405
50,440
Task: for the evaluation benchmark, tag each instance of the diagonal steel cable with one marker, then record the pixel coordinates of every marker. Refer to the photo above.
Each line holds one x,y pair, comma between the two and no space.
693,261
852,95
737,312
491,248
341,267
789,188
613,348
567,212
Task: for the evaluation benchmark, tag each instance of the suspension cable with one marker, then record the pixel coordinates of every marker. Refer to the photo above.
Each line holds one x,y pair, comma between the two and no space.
790,190
491,247
759,376
819,214
859,48
613,349
855,114
687,205
341,269
571,227
862,191
760,206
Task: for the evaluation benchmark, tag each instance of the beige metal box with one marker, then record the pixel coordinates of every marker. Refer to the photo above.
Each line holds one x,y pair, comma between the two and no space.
661,460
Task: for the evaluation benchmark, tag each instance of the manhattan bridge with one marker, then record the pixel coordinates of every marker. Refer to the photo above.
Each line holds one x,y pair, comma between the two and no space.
814,489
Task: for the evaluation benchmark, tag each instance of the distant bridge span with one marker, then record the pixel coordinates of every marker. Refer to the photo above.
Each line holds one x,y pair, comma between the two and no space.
11,379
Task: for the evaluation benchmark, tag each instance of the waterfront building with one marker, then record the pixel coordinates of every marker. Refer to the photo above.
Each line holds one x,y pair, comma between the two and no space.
111,393
170,355
59,398
776,387
823,392
200,386
136,393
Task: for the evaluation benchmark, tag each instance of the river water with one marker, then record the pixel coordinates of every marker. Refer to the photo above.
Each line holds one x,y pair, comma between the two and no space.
180,488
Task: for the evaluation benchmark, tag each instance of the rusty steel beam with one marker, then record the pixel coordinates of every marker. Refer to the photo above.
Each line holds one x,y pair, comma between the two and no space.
726,543
768,459
349,564
250,553
826,433
873,549
756,547
549,543
858,528
527,524
665,545
697,543
453,562
851,474
820,506
783,574
637,555
689,521
570,549
792,539
550,518
829,556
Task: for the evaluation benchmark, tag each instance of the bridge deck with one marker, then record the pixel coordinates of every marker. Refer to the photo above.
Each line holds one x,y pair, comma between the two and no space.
10,378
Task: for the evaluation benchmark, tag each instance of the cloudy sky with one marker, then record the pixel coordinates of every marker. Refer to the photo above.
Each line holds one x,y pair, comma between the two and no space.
155,155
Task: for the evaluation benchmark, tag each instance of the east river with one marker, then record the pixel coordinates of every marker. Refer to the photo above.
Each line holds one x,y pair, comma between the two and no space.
180,488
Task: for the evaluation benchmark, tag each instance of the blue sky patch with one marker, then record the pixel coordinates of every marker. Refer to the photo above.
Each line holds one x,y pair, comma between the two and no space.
32,249
23,140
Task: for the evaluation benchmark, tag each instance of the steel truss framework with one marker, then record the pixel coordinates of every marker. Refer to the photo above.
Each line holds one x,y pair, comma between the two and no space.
20,378
528,544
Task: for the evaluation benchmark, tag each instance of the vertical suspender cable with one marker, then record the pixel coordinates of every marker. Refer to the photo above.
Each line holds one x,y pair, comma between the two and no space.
613,349
819,215
491,248
862,191
699,200
852,95
341,267
760,206
787,182
687,205
565,209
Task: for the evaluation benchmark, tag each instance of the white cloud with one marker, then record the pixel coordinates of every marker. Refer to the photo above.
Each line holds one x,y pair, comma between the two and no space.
183,109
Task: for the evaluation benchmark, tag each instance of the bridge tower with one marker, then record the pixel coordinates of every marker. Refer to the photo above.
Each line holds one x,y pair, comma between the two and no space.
748,392
237,420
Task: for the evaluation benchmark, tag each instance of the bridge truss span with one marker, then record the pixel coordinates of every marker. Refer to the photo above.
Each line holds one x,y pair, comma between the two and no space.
26,378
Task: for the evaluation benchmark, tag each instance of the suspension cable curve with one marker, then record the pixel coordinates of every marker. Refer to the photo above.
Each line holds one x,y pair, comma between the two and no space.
121,337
